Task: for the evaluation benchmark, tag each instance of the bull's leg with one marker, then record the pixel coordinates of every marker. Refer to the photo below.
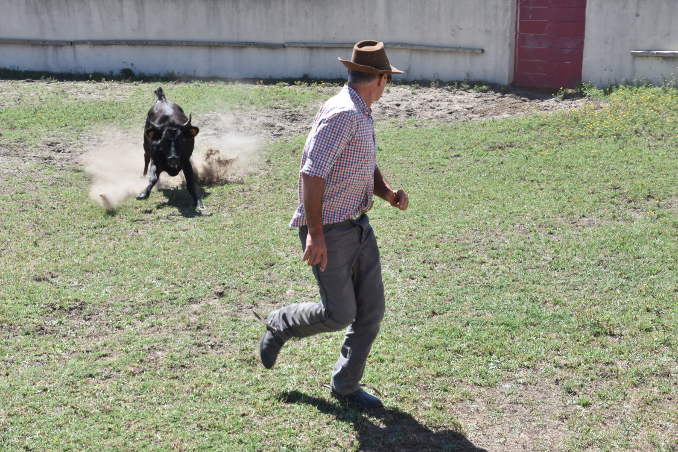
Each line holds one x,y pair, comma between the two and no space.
192,186
152,180
147,159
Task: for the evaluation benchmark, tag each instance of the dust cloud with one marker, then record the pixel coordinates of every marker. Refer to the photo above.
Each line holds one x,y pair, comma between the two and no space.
115,160
222,153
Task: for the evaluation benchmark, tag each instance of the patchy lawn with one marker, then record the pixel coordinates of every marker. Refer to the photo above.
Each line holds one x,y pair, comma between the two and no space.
531,287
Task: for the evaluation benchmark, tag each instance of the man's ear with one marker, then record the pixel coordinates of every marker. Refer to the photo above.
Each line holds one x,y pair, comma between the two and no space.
193,130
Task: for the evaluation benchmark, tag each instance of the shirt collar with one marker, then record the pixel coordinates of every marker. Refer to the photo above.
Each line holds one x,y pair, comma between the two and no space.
358,101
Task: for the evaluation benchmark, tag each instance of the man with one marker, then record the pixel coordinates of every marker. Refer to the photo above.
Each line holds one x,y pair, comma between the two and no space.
338,178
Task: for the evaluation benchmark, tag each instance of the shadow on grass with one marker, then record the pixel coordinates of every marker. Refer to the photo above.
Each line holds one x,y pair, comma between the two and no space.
181,200
400,431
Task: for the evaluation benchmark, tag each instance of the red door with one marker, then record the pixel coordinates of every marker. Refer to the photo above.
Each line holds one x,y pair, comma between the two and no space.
549,43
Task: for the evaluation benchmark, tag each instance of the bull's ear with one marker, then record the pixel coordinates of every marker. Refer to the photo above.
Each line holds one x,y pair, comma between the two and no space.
193,130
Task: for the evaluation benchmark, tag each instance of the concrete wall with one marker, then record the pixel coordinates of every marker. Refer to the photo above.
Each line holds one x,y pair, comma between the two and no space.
615,27
486,24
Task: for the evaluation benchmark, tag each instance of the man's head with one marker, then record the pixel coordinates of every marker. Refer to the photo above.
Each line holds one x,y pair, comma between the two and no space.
371,85
357,77
369,69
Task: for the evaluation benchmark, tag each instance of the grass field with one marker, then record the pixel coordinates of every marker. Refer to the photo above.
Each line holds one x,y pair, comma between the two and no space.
531,287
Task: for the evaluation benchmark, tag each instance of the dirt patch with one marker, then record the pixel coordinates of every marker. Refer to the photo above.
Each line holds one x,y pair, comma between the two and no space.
516,416
404,103
280,121
408,106
670,204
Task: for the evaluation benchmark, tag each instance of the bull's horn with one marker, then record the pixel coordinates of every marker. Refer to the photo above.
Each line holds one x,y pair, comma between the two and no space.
153,125
188,123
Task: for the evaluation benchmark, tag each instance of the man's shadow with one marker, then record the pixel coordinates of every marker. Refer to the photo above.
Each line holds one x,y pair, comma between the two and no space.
401,432
181,199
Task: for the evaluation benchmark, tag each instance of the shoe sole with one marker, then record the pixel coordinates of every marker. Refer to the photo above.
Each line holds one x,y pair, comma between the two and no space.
348,402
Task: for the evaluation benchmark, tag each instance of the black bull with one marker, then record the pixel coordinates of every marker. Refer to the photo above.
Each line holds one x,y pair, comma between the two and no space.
169,138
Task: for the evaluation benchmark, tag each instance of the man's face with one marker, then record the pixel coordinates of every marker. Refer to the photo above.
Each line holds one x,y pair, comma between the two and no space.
381,84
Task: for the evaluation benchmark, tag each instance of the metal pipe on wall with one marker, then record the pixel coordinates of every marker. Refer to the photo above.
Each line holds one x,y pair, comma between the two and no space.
251,44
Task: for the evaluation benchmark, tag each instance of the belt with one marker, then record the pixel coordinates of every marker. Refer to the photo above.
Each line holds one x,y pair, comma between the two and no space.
357,216
353,220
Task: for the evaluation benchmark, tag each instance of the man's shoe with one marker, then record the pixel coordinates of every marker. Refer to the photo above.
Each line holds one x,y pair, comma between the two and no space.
269,347
360,399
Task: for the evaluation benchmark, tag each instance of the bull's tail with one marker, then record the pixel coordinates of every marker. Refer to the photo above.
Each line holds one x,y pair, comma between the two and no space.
161,95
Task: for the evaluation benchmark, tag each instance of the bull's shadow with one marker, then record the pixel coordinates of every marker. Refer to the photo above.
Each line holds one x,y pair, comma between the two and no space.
181,199
401,431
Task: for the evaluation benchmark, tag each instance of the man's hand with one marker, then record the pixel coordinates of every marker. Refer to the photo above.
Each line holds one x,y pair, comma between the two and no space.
316,250
399,199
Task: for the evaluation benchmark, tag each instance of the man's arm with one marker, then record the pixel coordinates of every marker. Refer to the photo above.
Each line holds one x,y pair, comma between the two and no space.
382,189
316,250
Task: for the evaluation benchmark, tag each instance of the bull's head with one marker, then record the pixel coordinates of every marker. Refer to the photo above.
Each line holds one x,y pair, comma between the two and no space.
173,142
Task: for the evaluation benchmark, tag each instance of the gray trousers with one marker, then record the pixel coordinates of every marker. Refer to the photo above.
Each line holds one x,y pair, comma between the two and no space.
351,295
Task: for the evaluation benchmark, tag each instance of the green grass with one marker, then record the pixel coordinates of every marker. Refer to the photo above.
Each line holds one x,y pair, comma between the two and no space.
538,253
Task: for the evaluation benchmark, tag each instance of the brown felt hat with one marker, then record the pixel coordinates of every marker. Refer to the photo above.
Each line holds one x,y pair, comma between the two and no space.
370,56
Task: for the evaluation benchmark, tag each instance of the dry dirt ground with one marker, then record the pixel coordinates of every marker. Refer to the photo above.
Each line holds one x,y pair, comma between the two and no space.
400,106
406,106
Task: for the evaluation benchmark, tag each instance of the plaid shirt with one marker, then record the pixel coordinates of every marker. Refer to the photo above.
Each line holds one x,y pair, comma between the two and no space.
341,149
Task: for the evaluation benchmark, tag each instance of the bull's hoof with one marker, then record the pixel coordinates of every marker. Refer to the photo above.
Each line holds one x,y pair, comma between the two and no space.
199,205
142,196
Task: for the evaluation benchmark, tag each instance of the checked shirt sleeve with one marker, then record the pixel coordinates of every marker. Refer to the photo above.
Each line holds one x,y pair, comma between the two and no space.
327,143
